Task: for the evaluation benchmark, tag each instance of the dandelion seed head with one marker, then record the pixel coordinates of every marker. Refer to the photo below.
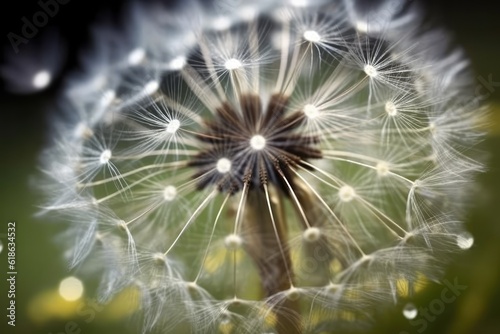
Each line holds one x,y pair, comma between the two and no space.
249,162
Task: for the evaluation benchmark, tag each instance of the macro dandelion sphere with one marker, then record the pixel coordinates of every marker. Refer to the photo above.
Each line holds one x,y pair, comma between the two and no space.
265,167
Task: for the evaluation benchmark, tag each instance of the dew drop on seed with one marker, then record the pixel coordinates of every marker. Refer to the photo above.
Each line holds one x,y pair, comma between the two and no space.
311,234
136,56
151,87
233,241
169,193
232,64
177,63
105,156
223,165
390,108
382,168
465,240
107,98
410,311
370,71
41,79
311,111
71,288
258,142
312,36
346,193
173,126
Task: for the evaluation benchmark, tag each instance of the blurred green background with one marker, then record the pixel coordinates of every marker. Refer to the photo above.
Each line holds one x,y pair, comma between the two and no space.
40,268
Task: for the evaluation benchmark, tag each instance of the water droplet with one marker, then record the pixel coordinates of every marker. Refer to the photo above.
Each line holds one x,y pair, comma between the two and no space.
465,240
410,311
312,36
136,56
169,193
173,126
258,142
41,79
370,71
233,64
1,246
223,165
346,193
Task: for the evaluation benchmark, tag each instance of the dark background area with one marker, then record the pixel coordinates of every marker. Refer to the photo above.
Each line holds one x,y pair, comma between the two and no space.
24,131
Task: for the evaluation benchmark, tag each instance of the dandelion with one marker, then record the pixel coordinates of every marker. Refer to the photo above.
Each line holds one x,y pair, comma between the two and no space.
270,168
